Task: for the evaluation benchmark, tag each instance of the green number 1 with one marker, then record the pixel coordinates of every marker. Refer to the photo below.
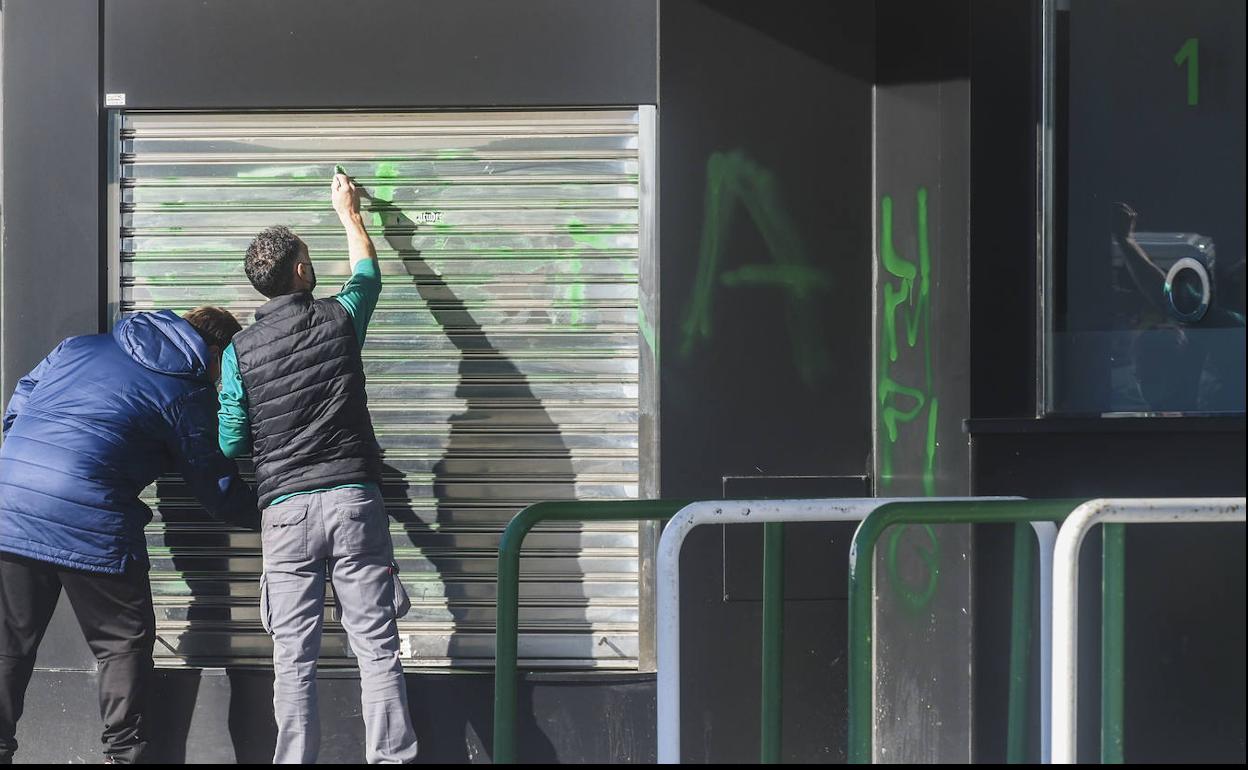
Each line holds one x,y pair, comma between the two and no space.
1190,53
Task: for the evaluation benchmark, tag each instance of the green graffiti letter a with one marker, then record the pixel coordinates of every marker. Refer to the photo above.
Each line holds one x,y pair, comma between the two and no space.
732,179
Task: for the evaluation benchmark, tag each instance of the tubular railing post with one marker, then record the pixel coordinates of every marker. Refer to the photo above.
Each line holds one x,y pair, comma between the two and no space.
773,642
1020,646
861,584
766,512
506,634
861,634
1065,673
1113,616
1046,538
507,631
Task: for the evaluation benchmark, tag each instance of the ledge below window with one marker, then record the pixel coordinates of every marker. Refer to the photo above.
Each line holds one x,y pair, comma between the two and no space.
1183,424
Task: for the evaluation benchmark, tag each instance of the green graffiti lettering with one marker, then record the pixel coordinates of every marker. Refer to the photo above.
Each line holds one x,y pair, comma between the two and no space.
732,179
797,279
582,236
916,598
909,297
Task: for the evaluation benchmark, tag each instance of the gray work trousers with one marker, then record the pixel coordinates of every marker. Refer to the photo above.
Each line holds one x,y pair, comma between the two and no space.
346,531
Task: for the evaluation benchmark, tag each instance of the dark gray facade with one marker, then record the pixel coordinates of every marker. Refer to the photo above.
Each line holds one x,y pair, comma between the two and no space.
767,141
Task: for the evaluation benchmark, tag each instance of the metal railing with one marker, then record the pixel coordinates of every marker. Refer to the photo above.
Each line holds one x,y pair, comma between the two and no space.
1020,638
507,629
771,514
861,588
1058,555
1112,513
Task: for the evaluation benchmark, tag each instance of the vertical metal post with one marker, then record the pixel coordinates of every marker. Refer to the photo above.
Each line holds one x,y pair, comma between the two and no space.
1045,395
1113,643
507,631
1020,646
112,220
648,375
773,642
506,639
667,711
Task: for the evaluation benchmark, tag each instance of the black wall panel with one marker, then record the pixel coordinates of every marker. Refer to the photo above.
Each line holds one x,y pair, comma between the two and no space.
52,186
213,54
765,215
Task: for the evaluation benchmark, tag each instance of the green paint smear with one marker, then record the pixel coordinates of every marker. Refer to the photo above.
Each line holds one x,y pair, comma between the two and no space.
734,179
914,598
909,297
384,194
648,334
798,279
581,235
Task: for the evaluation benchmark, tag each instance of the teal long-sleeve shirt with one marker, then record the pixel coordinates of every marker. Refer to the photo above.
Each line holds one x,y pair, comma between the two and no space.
359,296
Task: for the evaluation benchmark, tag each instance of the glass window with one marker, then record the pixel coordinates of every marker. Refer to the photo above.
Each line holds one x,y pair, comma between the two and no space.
1145,297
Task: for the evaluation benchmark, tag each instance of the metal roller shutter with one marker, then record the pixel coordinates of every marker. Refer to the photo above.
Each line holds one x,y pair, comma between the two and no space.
505,363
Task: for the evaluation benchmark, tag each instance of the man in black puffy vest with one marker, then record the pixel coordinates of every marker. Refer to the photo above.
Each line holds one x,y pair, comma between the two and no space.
293,392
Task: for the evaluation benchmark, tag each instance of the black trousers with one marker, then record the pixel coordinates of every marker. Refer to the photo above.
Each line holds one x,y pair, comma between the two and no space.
116,616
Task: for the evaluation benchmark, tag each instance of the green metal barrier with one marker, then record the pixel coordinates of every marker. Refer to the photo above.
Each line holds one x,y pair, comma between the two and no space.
773,642
1113,643
861,588
507,629
1021,607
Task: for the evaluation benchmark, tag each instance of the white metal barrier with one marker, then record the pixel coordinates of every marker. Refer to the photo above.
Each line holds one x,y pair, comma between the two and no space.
1066,587
776,511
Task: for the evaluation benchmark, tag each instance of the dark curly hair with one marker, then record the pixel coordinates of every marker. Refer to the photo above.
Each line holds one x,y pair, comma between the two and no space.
271,258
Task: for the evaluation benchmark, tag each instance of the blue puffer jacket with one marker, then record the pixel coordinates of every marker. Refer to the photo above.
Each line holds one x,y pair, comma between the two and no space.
95,423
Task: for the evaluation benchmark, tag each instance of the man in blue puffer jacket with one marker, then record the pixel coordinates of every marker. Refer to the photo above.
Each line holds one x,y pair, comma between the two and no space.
85,432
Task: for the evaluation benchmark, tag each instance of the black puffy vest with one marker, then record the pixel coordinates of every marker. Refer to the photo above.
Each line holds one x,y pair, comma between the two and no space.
301,369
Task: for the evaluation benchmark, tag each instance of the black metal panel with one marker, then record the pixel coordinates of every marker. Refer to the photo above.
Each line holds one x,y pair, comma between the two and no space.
1109,463
765,178
1004,58
1185,585
765,205
721,672
379,53
52,187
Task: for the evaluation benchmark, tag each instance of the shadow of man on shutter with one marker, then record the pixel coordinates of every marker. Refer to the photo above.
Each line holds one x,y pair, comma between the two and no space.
502,452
